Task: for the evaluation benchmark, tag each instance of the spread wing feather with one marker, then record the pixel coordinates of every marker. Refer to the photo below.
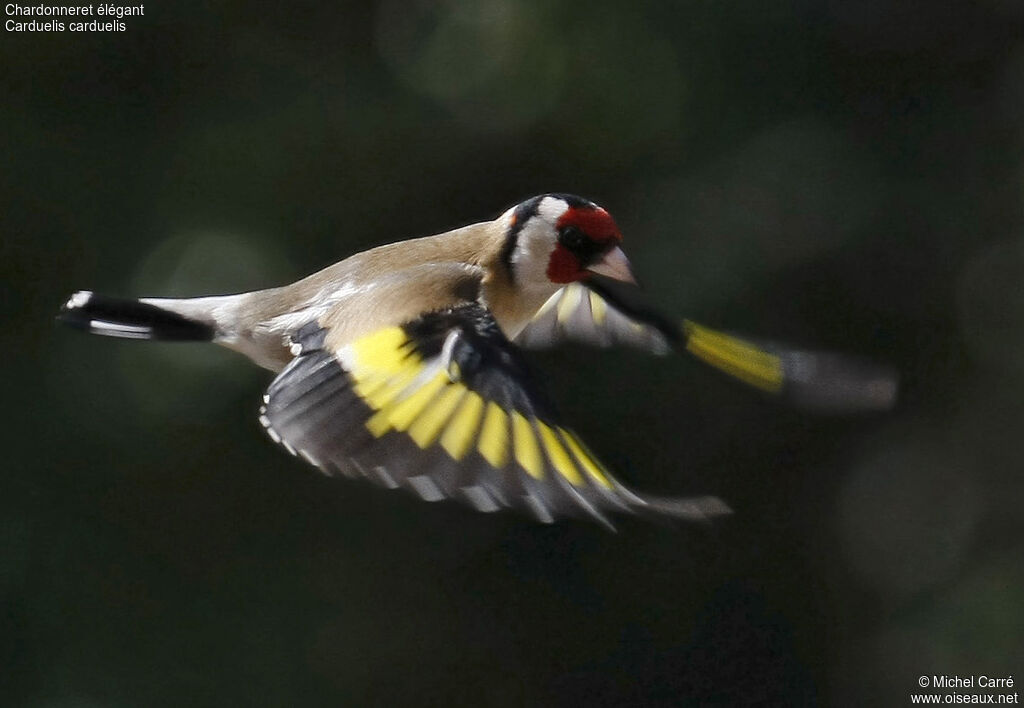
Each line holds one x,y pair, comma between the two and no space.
446,407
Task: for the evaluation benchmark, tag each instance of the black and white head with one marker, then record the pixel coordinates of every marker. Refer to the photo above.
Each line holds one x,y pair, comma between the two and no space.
556,239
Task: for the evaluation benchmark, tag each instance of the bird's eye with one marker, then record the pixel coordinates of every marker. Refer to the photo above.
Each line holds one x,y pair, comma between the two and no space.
572,238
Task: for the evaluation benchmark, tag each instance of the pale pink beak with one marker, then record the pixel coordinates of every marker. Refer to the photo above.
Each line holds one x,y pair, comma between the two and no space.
614,265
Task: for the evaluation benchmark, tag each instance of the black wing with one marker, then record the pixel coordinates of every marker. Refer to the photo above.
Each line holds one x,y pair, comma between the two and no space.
446,407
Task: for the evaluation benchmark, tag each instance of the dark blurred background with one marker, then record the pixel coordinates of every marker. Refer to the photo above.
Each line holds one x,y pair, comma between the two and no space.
842,175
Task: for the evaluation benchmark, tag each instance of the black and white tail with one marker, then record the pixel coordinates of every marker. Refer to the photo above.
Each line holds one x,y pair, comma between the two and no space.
134,319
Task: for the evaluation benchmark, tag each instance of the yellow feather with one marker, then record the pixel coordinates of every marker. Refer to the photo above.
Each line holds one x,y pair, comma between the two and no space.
526,448
378,424
598,307
586,459
382,364
405,410
461,431
384,395
560,459
368,384
385,350
494,436
427,427
735,357
570,301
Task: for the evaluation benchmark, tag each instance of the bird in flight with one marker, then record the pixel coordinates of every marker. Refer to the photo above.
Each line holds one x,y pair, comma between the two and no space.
404,364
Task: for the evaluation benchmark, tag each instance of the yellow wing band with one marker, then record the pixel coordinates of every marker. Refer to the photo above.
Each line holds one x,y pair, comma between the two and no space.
586,459
428,426
385,351
494,436
458,437
559,458
387,374
403,412
735,357
383,365
527,451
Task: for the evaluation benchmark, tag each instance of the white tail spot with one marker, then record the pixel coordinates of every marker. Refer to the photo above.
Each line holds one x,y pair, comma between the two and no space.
79,299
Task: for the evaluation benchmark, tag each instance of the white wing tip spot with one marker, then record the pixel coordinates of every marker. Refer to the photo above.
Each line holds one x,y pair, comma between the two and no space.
480,499
426,488
539,510
273,434
385,477
497,494
309,458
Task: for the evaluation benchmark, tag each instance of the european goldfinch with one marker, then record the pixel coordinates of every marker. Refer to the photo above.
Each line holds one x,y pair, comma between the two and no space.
403,364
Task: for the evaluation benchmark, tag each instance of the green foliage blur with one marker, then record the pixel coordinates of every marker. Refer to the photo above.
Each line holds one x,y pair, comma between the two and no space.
840,175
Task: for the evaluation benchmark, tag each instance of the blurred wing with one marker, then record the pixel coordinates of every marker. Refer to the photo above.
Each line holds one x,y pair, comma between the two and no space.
604,313
581,314
445,407
813,380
